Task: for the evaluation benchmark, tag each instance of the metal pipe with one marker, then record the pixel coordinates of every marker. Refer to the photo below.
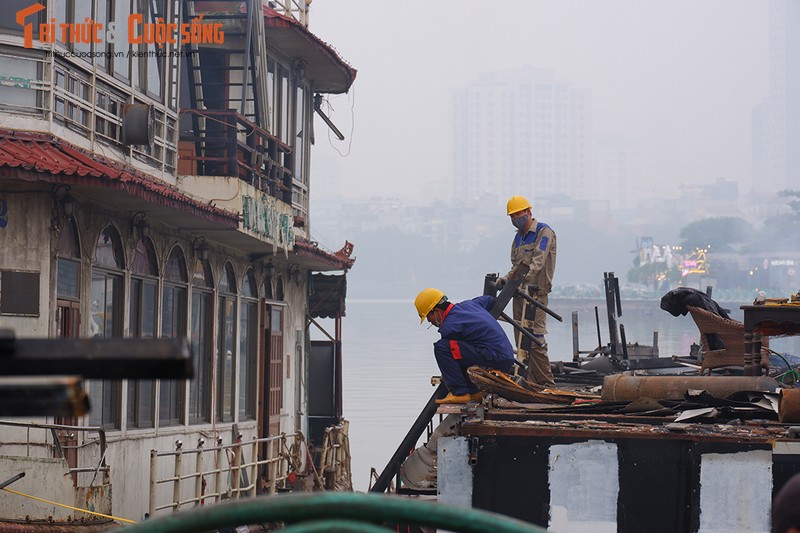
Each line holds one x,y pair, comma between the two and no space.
597,322
218,455
237,469
789,406
618,387
176,486
490,285
509,289
254,470
623,341
608,281
408,443
246,68
11,480
326,120
538,304
521,329
153,483
575,348
198,466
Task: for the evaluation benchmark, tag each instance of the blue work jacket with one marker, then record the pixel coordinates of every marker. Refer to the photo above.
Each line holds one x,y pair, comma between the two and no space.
469,321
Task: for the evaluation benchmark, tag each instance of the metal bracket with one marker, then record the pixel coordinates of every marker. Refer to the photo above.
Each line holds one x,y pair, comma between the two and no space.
474,445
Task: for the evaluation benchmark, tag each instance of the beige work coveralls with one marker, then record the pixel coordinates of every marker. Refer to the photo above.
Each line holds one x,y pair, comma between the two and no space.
537,249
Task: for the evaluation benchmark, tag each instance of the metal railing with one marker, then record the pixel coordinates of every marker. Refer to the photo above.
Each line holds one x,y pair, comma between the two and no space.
69,93
235,470
228,144
63,449
297,9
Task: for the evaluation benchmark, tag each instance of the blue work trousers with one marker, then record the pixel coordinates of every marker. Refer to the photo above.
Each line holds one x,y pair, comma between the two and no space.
455,357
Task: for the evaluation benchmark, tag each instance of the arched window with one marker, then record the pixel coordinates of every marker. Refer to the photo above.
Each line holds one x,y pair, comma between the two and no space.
268,287
248,344
108,252
144,259
173,325
142,324
106,321
200,337
68,282
226,335
249,285
144,284
279,289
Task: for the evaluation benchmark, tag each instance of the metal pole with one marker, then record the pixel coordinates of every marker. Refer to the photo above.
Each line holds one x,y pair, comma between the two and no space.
538,304
198,481
246,68
575,347
521,329
218,471
624,342
273,468
11,480
410,440
254,468
597,323
608,280
237,468
153,482
176,483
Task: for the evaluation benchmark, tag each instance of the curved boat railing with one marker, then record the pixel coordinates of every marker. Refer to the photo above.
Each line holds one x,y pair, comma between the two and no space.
306,513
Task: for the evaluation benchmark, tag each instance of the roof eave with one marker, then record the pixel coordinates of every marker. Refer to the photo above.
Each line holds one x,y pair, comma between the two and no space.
35,156
318,260
328,72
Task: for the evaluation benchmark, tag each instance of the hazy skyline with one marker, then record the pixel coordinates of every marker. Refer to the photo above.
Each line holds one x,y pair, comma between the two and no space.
678,79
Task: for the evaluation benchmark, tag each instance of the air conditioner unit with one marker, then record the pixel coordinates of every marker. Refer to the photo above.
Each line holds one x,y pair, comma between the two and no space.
138,124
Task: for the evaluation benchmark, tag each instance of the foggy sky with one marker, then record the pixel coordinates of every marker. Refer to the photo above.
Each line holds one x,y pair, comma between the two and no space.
679,78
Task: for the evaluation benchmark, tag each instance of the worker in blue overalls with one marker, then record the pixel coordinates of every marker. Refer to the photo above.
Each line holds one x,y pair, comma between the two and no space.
470,336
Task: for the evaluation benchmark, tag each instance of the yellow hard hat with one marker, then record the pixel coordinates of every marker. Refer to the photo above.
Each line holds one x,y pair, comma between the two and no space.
517,204
426,301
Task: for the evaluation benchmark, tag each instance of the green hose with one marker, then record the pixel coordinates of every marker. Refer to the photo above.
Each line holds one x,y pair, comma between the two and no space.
334,526
791,372
332,507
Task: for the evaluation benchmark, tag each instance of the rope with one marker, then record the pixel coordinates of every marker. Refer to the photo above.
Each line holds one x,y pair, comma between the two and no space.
70,507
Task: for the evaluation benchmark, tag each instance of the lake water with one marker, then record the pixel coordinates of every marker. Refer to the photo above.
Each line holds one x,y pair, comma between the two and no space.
388,362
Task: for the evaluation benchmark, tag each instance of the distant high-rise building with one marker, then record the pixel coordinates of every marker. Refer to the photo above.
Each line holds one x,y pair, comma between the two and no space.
776,120
616,172
521,132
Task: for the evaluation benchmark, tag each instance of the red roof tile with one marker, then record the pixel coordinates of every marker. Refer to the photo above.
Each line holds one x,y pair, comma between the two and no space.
50,155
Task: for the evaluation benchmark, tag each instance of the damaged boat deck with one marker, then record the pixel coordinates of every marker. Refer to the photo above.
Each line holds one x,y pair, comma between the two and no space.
621,465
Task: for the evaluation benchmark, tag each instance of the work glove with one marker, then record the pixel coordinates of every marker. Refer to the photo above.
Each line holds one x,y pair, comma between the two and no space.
500,282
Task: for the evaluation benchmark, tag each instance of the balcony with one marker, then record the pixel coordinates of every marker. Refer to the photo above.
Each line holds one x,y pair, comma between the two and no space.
226,144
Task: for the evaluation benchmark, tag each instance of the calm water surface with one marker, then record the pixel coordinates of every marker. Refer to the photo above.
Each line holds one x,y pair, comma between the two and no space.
388,362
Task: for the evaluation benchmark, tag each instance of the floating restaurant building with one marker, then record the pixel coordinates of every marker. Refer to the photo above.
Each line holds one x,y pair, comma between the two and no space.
154,183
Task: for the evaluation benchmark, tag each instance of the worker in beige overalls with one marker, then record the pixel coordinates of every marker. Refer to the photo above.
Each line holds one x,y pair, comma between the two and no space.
535,245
